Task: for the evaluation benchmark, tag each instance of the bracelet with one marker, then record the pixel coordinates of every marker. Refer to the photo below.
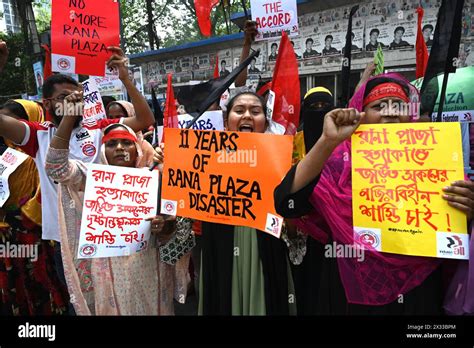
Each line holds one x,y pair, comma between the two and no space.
57,136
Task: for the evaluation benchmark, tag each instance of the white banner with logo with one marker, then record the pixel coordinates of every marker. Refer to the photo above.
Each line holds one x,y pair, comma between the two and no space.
9,162
117,201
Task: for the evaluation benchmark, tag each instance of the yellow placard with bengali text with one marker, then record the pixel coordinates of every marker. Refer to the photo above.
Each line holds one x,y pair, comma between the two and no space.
398,173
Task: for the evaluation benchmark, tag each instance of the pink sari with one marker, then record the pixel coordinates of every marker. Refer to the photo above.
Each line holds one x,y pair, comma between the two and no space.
138,284
382,277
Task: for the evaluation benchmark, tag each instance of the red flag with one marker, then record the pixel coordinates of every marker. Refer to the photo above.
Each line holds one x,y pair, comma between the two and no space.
421,49
203,13
286,86
170,113
47,62
216,68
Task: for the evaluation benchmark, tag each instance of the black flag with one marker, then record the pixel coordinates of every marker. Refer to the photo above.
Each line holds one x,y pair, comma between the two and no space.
198,98
443,55
346,62
156,109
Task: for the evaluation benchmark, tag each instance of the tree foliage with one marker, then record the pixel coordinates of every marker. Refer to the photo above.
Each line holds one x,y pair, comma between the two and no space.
174,21
17,77
42,10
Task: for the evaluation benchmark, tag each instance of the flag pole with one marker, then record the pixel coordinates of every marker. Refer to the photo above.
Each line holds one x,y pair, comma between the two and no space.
346,66
225,17
245,10
442,97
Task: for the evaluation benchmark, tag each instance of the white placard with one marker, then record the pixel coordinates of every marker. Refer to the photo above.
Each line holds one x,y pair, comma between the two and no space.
117,201
273,17
210,120
93,106
9,162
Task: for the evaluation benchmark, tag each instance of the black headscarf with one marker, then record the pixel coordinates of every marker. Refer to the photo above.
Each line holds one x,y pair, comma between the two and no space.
313,118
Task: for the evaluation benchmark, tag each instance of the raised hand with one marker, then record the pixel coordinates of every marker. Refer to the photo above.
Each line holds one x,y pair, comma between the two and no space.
119,61
3,54
74,104
250,31
339,124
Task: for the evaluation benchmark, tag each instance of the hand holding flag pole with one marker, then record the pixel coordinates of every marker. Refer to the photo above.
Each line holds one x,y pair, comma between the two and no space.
225,83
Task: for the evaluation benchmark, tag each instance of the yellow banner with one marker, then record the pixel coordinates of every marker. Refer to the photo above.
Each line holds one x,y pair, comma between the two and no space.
398,173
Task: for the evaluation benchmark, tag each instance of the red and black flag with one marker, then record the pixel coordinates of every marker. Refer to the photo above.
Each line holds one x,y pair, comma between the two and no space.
203,14
196,99
443,57
421,49
346,62
286,86
170,119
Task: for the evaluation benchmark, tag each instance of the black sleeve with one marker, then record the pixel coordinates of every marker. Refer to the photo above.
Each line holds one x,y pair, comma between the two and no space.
293,205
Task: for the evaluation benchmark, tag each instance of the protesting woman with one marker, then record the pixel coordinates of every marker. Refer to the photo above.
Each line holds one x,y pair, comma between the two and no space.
130,285
127,285
317,102
28,284
244,271
321,192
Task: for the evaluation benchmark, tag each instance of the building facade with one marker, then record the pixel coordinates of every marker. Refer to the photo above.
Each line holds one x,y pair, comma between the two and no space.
9,19
318,47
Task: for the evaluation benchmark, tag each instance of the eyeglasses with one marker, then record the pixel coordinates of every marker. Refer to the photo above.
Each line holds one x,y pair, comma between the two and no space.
59,97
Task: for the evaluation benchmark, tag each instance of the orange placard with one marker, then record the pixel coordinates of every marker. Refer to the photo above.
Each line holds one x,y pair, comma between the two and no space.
225,177
81,31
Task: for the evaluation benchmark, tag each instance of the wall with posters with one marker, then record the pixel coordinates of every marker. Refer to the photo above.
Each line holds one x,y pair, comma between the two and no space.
319,46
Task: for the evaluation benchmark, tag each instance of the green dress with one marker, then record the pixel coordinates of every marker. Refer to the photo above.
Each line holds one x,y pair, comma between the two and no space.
248,291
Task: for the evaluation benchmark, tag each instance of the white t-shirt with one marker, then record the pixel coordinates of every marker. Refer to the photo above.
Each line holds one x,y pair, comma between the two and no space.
84,146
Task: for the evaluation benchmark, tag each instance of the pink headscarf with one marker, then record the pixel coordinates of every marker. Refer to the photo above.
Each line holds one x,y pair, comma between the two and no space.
127,106
382,277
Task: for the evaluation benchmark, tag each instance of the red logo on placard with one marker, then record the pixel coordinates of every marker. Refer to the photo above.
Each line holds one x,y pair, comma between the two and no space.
275,225
169,207
369,238
63,64
88,250
456,244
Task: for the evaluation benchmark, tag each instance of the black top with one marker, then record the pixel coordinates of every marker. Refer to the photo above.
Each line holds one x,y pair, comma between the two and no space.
224,73
293,205
311,53
331,50
254,71
370,47
400,44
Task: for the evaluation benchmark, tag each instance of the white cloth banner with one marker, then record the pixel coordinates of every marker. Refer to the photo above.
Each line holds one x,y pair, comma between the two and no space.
93,106
210,120
117,201
9,162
